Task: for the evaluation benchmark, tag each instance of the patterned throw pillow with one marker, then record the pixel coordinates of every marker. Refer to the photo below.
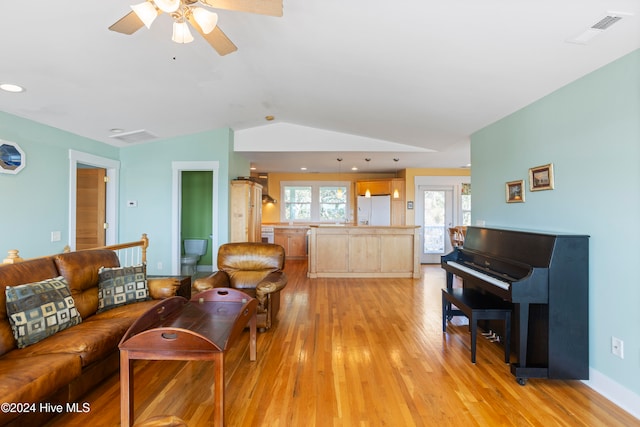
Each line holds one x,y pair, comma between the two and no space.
121,285
39,310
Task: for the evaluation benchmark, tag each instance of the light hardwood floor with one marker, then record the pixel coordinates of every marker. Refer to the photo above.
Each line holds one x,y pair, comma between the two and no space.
365,352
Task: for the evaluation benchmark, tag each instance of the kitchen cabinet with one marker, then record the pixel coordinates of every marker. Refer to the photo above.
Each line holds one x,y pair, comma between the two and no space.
246,211
375,187
293,240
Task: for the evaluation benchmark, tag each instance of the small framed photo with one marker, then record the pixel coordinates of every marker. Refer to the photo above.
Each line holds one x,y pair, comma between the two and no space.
541,178
515,191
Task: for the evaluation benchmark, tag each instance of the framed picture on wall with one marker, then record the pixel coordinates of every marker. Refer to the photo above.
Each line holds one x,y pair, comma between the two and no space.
515,191
541,178
12,158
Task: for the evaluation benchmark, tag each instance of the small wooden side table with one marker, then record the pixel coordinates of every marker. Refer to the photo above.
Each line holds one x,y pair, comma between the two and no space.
177,329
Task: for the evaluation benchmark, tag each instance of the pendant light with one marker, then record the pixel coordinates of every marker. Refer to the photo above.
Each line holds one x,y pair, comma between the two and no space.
396,193
367,192
339,193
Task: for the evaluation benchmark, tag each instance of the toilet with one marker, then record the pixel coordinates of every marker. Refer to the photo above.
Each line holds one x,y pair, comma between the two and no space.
193,250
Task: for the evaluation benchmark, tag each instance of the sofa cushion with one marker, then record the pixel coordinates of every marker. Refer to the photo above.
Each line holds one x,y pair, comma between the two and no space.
17,274
121,286
33,379
93,339
81,271
39,310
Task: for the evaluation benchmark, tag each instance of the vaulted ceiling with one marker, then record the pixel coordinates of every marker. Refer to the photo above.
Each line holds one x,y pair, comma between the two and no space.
410,79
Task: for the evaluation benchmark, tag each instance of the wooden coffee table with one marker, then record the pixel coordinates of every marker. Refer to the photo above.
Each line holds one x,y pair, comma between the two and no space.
178,329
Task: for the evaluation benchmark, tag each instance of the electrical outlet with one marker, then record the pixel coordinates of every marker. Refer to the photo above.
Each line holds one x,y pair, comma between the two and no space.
55,236
617,347
159,266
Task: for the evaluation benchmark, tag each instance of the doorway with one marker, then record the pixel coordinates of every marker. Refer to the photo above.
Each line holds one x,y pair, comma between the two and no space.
80,160
91,199
196,210
434,209
211,215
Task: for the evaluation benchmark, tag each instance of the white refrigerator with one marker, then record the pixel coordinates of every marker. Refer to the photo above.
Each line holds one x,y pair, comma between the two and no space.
374,210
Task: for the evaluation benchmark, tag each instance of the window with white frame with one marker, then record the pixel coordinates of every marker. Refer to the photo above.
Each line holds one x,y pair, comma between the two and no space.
465,203
314,201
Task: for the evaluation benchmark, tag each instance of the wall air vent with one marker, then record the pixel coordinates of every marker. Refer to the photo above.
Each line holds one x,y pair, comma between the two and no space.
599,27
134,136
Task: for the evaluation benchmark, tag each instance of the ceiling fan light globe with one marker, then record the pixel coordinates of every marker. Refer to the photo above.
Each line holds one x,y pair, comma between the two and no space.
168,6
181,33
146,12
206,20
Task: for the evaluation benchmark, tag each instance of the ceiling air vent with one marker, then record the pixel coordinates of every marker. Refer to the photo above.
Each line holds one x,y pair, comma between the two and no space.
134,136
598,27
606,22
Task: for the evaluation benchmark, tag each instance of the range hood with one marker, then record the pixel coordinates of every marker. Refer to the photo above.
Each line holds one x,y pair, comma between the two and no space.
262,178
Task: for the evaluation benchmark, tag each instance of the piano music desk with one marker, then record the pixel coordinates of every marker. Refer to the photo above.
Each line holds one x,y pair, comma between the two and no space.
477,306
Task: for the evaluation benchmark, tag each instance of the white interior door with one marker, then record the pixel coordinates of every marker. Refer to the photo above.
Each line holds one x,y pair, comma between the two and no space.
435,213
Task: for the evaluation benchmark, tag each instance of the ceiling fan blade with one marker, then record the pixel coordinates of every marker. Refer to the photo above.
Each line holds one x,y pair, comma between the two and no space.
262,7
216,38
128,24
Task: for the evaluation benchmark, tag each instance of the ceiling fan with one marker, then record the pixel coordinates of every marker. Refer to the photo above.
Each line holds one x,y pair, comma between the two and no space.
200,18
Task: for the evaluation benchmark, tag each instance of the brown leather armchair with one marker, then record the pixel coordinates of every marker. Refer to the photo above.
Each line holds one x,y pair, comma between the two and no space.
254,268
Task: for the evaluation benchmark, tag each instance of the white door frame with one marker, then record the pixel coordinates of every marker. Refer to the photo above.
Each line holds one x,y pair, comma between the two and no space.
113,171
450,215
176,206
441,181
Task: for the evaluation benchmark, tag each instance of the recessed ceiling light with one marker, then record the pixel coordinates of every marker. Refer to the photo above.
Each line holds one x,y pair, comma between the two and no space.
253,168
10,87
303,168
116,130
354,168
269,118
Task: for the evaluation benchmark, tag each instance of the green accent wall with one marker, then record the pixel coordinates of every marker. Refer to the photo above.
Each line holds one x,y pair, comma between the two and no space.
197,200
590,131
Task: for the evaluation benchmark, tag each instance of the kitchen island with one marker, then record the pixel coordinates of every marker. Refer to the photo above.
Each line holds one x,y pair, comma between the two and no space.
364,251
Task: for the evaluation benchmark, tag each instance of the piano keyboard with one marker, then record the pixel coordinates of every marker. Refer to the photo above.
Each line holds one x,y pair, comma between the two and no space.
485,277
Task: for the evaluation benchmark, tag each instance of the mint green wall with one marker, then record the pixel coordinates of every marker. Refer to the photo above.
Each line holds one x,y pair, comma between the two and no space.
39,194
590,131
197,195
146,176
35,202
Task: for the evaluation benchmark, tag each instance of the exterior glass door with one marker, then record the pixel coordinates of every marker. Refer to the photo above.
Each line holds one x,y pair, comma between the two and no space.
437,216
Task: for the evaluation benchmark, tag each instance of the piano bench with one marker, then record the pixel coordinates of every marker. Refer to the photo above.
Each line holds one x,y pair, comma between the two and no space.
477,306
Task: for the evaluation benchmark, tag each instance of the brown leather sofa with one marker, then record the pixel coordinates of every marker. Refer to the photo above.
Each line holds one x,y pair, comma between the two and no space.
254,268
64,366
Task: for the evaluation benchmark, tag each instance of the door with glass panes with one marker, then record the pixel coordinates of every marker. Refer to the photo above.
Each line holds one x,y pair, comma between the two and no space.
434,210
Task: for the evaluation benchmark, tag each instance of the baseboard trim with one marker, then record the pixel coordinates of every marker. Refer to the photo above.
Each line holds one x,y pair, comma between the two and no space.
616,393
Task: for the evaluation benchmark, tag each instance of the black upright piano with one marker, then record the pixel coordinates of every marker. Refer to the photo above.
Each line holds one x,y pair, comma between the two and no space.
546,278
